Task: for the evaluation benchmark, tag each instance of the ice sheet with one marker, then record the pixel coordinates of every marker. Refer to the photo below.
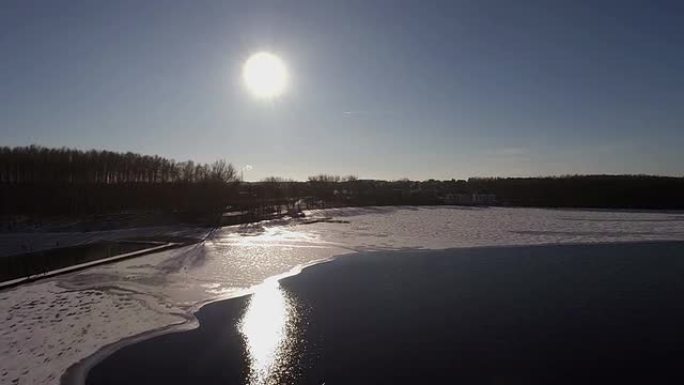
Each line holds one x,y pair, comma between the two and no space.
47,326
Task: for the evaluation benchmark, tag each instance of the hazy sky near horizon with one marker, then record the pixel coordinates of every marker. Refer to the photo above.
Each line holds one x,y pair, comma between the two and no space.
378,89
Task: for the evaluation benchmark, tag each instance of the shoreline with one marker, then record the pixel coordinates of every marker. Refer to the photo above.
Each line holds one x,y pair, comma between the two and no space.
327,280
72,268
78,372
129,299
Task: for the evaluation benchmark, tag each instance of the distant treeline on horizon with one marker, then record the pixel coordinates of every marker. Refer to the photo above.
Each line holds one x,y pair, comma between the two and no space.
44,181
36,164
39,181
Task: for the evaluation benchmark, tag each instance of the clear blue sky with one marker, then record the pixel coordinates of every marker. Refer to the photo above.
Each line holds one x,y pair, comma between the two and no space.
379,89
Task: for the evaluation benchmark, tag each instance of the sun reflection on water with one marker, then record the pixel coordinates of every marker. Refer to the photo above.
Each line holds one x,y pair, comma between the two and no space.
268,328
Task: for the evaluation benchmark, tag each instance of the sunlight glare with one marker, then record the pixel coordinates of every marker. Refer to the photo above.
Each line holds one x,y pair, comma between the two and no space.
268,328
265,75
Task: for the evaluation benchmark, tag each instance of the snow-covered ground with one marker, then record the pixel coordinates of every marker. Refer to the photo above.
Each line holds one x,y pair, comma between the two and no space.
20,243
49,325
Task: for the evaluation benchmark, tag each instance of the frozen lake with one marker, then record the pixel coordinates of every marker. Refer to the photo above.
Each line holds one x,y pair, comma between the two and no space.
545,314
50,325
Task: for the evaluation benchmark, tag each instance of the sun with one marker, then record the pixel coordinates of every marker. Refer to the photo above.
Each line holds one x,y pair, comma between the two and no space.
265,75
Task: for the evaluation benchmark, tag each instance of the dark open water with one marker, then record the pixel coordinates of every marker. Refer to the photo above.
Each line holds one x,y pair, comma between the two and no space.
593,314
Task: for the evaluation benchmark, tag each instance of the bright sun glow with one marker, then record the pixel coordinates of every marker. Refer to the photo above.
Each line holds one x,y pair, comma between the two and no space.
265,75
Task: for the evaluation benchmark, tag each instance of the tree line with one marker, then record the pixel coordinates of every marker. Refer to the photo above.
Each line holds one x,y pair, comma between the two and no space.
590,191
36,164
571,191
38,181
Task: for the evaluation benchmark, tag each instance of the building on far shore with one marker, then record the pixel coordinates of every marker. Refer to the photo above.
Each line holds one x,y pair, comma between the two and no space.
474,199
484,199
